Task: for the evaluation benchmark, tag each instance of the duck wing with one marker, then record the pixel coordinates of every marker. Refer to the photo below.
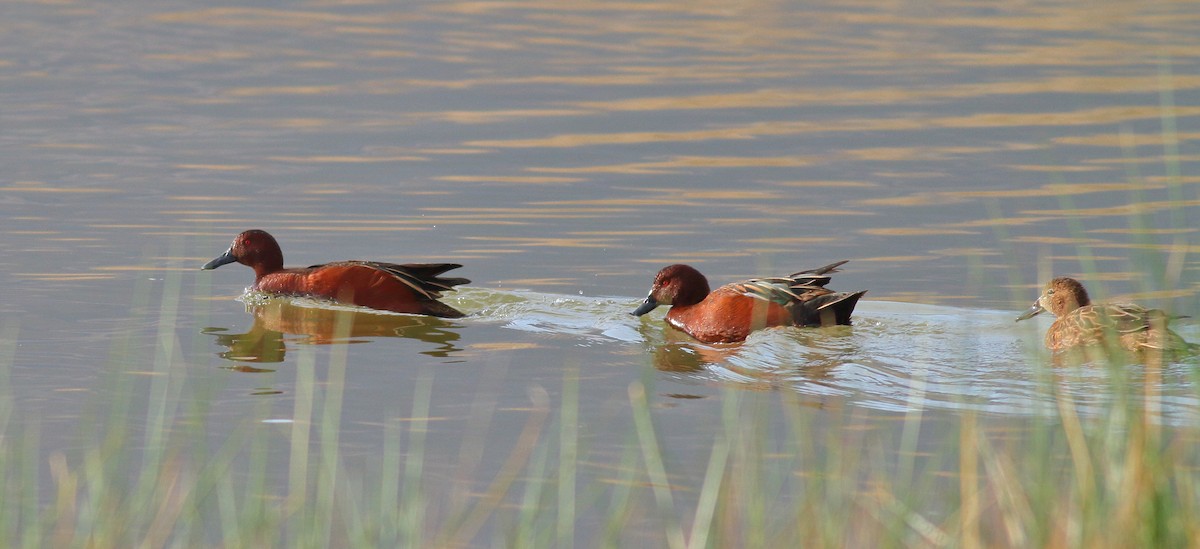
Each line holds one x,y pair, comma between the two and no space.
804,294
423,278
1119,318
796,287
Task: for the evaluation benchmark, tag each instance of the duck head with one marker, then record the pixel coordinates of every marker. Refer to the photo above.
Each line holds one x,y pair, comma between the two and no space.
255,249
1061,296
675,285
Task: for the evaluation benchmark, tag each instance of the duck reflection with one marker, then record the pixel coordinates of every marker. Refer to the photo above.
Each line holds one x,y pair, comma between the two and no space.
685,355
816,354
264,342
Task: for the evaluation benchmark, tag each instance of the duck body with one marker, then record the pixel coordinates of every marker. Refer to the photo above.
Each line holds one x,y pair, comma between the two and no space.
731,312
1134,328
1080,322
401,288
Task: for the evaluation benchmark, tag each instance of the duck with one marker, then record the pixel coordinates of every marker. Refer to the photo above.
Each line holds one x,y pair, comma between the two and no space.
731,312
1080,322
413,288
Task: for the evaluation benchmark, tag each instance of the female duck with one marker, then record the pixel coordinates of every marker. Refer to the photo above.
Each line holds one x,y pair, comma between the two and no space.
411,288
1079,322
733,311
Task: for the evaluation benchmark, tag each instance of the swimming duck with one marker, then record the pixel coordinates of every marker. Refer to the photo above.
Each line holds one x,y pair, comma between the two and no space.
731,312
1080,322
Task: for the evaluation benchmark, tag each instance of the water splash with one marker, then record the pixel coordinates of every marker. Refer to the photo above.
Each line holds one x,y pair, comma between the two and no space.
897,356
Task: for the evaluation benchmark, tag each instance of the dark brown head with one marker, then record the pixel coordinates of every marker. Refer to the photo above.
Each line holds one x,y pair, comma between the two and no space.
675,285
255,249
1061,296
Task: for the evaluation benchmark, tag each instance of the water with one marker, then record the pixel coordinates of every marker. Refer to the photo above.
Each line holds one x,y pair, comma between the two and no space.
897,357
958,155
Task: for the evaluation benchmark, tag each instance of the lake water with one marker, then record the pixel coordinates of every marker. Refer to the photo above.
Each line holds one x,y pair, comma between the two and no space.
958,154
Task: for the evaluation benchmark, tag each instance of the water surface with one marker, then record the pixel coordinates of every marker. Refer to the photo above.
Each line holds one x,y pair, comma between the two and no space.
957,154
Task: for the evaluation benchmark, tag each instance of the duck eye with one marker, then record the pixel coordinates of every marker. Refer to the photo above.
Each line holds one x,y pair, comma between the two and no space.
1049,292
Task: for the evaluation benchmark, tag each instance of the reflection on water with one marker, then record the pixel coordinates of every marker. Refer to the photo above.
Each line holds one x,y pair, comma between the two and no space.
897,357
256,346
323,323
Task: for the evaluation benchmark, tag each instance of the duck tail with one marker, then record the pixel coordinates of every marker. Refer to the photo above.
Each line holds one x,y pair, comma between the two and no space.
439,309
431,271
830,268
842,307
834,308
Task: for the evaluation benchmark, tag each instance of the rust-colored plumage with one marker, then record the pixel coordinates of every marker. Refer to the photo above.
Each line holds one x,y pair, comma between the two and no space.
409,288
731,312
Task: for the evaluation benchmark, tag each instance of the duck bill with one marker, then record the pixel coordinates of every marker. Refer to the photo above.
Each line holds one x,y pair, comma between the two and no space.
224,259
648,305
1033,311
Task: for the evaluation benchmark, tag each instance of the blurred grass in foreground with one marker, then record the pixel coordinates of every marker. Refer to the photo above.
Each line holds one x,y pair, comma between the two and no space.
834,478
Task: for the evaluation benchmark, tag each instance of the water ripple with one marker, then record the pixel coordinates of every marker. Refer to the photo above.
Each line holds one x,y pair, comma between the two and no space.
897,357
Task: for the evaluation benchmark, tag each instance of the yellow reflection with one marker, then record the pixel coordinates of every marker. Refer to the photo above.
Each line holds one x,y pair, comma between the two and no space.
1106,116
501,346
1054,168
640,232
1049,190
492,117
887,154
346,159
691,257
1155,159
259,17
527,180
834,184
631,138
1000,222
1122,139
963,252
1158,295
787,211
550,242
214,167
1044,239
898,258
458,150
64,277
916,199
783,97
282,90
39,187
1143,230
622,202
784,241
914,231
1119,210
1082,117
207,198
671,166
201,57
69,146
500,215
